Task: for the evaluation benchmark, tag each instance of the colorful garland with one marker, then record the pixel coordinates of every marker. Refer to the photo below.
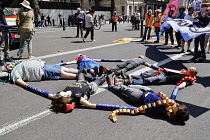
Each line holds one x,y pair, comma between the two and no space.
158,71
167,102
11,67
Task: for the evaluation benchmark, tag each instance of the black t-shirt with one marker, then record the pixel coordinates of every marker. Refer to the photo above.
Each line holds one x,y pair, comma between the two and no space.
78,89
172,78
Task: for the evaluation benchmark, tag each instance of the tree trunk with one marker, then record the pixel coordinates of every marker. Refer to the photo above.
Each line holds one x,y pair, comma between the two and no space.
35,5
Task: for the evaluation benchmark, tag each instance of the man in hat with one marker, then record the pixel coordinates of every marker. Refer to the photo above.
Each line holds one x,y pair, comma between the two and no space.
79,18
4,34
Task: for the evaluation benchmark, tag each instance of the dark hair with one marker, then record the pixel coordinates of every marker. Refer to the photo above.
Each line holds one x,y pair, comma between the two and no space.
92,11
183,8
190,8
182,114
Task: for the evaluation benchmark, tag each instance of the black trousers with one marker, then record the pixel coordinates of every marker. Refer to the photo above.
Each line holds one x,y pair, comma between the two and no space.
200,40
178,38
91,30
114,25
170,33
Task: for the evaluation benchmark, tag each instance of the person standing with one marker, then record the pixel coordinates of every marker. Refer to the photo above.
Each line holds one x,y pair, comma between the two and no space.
201,21
178,34
138,17
170,30
60,19
148,24
157,24
114,21
49,21
188,17
79,18
25,19
43,20
89,23
4,35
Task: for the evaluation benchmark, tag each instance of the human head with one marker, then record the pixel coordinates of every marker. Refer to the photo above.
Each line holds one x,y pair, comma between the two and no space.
192,70
180,112
182,9
78,9
190,10
149,12
204,13
6,67
62,98
115,12
171,12
26,4
158,11
92,12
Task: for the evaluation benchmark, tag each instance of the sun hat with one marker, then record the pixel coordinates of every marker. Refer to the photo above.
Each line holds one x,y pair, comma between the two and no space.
158,10
26,4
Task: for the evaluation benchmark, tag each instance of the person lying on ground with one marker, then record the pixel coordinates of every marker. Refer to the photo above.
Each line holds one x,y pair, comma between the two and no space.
150,103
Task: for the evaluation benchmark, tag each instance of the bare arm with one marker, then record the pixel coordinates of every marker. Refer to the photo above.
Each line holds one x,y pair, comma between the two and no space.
21,83
87,103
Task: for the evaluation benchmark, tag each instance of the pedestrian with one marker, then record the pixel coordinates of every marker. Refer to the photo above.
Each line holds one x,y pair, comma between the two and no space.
25,19
149,102
133,21
137,22
157,24
170,30
78,19
4,35
89,24
60,19
78,93
178,35
43,20
114,21
148,25
188,17
201,21
49,23
207,40
38,70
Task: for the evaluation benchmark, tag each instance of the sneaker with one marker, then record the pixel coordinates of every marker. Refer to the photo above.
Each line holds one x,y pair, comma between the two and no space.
178,47
31,57
182,51
9,59
2,62
156,42
165,44
93,40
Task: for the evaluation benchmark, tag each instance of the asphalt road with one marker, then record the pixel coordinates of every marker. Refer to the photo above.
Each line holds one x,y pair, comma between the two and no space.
24,115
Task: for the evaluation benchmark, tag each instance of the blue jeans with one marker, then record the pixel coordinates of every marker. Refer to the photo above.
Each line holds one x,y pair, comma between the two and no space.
26,39
157,31
147,78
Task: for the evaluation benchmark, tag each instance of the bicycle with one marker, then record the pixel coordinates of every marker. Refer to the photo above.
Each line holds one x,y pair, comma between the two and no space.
97,25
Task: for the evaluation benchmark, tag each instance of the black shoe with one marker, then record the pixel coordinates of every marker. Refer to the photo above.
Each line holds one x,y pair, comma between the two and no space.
199,60
192,59
2,62
156,42
178,47
142,40
101,70
182,51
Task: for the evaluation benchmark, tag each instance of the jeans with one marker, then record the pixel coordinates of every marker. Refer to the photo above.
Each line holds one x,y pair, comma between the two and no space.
157,31
26,39
145,33
87,33
147,78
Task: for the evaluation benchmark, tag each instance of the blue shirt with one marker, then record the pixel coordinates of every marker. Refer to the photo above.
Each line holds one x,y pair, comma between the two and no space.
181,15
80,20
159,111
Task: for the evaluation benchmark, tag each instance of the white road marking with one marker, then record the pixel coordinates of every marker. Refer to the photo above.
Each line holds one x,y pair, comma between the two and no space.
15,124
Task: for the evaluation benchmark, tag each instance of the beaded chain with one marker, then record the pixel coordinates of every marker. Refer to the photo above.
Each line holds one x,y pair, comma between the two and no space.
167,102
11,67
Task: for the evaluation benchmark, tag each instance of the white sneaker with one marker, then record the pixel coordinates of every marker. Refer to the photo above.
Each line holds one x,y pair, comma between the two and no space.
31,57
93,40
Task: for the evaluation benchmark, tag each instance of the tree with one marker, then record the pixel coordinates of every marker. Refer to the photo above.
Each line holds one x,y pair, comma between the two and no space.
35,5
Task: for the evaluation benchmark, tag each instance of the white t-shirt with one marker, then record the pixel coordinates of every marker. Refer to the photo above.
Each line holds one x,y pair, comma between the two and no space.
188,17
88,19
137,16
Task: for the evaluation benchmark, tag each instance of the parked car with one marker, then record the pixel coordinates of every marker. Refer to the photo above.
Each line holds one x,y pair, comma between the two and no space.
11,21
